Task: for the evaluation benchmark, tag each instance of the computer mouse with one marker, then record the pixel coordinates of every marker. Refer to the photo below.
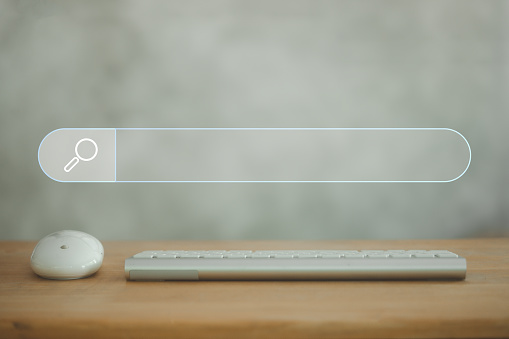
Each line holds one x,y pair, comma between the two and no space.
67,255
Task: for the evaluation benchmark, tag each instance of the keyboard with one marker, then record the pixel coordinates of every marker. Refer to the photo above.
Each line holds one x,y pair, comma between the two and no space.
296,265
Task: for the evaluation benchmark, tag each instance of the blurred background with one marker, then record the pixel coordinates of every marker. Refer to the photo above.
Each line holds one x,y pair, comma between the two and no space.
239,63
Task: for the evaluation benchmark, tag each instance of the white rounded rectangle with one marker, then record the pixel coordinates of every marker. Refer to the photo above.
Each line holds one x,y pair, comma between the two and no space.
255,155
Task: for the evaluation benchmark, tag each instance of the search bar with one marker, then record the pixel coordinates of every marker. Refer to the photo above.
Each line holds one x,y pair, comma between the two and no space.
254,155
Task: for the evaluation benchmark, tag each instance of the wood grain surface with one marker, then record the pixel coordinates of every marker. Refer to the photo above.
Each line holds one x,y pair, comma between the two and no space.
107,306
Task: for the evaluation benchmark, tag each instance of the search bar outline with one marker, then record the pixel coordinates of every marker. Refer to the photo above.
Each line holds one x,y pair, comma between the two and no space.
114,130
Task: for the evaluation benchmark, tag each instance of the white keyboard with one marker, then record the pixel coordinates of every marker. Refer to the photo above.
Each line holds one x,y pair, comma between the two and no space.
296,265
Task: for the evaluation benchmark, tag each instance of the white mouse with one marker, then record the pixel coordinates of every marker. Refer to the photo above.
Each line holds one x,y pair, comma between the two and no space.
67,255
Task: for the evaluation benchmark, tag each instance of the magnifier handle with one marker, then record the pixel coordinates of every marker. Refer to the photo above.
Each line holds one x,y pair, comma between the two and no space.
70,165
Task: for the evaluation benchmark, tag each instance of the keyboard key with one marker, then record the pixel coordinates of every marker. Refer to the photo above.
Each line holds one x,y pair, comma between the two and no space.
423,255
377,255
352,255
400,255
446,255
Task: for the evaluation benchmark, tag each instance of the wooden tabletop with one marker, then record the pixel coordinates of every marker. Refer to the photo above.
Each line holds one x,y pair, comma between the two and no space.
107,306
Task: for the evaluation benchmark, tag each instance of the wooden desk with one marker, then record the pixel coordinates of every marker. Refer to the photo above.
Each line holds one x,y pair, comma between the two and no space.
107,306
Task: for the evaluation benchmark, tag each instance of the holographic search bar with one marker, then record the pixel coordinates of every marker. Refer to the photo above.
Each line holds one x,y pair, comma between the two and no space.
254,155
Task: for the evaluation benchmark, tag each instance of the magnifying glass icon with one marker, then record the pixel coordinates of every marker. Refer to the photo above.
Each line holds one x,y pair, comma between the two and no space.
74,161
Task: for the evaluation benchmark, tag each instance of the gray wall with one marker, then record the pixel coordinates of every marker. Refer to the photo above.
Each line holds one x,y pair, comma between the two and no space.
277,63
